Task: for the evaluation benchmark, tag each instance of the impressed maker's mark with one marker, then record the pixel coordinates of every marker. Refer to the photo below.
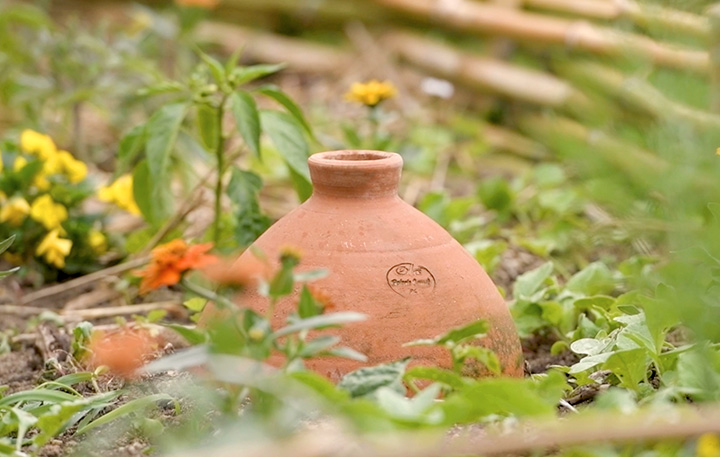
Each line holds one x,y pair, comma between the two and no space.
407,279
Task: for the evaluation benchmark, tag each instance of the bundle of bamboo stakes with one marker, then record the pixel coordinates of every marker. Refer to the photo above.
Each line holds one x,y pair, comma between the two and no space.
596,39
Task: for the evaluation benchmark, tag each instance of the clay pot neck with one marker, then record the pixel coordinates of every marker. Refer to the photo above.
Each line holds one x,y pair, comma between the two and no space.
355,174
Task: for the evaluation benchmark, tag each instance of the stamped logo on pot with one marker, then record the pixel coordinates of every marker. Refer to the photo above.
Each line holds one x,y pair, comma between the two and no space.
408,279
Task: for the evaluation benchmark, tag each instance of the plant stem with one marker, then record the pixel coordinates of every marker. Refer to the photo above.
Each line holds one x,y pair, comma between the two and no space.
219,153
219,300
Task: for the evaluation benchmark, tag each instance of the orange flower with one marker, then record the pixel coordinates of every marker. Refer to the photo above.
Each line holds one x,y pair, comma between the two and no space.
169,261
123,352
207,4
322,297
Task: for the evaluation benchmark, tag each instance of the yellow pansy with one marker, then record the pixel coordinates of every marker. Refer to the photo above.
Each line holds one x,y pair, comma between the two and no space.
54,249
47,212
34,142
121,193
14,211
75,170
97,241
371,93
19,163
708,445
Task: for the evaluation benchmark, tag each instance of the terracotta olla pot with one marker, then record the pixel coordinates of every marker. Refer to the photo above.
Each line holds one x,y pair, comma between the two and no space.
388,260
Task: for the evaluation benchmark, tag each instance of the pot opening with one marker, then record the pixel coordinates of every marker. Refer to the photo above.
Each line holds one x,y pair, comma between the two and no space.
348,156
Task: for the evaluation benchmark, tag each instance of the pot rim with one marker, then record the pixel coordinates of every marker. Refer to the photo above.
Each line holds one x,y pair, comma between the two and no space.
356,158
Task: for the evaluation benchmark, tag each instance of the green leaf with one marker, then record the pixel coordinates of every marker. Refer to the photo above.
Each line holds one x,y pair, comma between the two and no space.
208,126
308,306
53,423
436,374
303,187
8,272
243,190
457,335
485,356
161,132
130,147
134,406
242,75
152,196
319,345
595,279
318,322
288,139
247,119
5,244
629,366
530,282
347,353
366,381
43,395
192,336
216,68
24,421
281,97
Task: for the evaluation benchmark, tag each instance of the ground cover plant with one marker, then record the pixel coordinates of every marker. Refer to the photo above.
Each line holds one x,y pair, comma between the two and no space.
139,156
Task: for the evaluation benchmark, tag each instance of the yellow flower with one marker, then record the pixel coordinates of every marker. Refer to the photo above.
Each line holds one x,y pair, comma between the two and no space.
121,193
708,445
371,93
19,163
97,241
41,182
15,211
75,170
47,212
34,142
717,151
54,249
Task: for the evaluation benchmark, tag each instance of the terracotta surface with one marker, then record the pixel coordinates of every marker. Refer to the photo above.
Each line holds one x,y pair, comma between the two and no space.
388,260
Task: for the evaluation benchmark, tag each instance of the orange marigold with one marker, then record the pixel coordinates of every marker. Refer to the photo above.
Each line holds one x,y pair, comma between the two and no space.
123,352
321,296
169,261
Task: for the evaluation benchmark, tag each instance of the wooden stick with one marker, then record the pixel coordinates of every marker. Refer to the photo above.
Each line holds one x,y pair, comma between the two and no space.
83,280
487,74
682,423
476,17
96,313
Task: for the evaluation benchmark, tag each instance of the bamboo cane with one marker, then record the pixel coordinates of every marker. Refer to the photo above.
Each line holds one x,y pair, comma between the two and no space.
300,55
487,74
640,14
472,17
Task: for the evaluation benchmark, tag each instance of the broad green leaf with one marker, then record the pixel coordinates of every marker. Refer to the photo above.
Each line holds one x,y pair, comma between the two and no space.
161,132
281,97
589,362
242,75
595,279
247,119
321,385
24,421
530,282
134,406
208,126
414,410
322,321
587,346
152,196
499,396
288,139
368,380
629,366
485,356
130,147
